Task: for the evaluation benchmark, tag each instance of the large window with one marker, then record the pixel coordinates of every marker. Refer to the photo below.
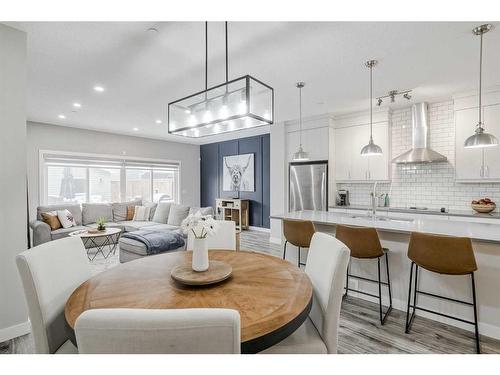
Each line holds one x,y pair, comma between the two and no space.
69,178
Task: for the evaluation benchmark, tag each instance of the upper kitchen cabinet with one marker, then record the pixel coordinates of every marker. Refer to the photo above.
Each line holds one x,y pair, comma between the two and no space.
315,140
351,133
481,164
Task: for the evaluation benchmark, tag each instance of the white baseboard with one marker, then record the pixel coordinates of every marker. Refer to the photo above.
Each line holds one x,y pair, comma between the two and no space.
15,331
260,229
275,240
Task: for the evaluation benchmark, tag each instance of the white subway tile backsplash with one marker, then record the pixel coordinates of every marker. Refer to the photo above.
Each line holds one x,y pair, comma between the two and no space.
425,185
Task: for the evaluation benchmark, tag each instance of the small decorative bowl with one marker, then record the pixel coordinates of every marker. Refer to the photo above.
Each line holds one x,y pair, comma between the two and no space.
483,208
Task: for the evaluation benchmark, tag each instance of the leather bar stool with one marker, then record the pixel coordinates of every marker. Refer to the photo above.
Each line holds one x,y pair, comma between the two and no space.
447,256
299,233
364,243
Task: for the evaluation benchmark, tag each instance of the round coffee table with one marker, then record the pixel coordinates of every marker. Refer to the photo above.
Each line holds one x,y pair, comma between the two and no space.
272,296
100,240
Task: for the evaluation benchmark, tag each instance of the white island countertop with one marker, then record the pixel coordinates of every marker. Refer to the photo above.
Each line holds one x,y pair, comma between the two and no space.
477,231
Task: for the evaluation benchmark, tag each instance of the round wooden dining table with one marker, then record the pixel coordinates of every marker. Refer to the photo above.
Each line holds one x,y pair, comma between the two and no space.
272,296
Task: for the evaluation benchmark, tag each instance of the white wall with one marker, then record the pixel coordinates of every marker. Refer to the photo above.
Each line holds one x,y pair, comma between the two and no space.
278,177
13,312
58,138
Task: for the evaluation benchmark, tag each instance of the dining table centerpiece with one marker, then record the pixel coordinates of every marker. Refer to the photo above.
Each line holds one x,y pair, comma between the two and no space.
201,227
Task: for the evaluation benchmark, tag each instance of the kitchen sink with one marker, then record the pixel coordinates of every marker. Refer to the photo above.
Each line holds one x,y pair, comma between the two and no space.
383,218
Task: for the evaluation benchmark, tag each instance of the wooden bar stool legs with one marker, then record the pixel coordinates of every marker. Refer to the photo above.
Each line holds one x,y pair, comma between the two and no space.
382,315
414,306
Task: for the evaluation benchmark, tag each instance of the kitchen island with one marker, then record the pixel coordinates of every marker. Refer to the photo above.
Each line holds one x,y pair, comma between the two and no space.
394,231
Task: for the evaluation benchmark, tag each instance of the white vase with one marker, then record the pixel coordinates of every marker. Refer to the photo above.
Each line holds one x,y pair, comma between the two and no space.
200,255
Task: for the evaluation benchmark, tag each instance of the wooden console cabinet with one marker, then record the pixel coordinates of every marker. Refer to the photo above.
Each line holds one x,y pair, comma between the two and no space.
233,209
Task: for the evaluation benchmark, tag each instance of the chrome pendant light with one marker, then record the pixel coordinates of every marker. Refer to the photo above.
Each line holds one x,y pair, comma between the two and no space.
371,149
236,104
300,155
480,138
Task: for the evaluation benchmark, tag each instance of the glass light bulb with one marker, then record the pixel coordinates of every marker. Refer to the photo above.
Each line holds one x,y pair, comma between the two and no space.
196,132
207,117
223,112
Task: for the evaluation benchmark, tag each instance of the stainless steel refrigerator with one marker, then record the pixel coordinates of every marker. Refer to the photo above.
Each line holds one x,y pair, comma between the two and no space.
308,186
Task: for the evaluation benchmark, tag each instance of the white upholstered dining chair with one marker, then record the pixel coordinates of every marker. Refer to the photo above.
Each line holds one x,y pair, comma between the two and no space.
50,273
326,267
155,331
224,238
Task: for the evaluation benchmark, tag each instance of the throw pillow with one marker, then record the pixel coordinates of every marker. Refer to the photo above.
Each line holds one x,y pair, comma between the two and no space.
161,213
141,213
51,219
120,210
177,214
130,213
66,218
152,209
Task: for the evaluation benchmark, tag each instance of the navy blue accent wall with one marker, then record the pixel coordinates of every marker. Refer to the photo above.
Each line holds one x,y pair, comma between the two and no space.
211,167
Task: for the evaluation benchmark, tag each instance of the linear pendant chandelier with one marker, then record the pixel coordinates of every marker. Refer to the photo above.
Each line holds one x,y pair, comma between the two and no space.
237,104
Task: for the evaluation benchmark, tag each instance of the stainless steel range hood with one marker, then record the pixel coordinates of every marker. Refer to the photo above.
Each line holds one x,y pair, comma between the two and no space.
420,151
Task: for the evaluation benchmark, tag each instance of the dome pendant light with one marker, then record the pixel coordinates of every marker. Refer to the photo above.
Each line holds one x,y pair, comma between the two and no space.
371,148
300,155
481,138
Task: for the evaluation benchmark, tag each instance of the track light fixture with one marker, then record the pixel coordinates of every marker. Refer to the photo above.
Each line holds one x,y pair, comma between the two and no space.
392,96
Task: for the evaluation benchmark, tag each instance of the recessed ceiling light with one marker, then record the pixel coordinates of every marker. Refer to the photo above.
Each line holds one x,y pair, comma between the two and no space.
62,117
158,121
152,30
77,105
135,129
98,88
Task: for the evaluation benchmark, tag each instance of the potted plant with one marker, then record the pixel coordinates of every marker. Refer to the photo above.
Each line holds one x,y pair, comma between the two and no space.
201,227
101,224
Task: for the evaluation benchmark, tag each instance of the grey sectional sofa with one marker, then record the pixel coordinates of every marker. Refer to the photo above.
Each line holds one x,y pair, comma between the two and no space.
164,216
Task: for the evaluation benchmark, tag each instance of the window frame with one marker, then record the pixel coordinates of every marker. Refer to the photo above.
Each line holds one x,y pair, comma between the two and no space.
147,163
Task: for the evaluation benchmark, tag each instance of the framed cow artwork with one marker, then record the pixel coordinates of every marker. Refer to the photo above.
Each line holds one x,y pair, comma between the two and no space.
239,173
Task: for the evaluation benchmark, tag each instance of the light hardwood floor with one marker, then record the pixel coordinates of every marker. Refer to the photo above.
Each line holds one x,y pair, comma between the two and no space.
360,330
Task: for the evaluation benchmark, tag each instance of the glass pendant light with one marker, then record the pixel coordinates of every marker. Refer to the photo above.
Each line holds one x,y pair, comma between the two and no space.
371,148
237,104
480,138
300,155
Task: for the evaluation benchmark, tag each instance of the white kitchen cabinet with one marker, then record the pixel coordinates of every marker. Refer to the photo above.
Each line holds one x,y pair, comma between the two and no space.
342,153
468,161
379,165
314,141
476,164
491,115
350,165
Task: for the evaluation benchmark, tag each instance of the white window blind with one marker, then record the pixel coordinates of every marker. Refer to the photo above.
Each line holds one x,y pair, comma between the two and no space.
96,179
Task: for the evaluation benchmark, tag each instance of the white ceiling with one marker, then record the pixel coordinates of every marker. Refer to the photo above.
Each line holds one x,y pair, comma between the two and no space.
143,71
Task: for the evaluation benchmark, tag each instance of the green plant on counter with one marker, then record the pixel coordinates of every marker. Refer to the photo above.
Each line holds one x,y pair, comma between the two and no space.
101,223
